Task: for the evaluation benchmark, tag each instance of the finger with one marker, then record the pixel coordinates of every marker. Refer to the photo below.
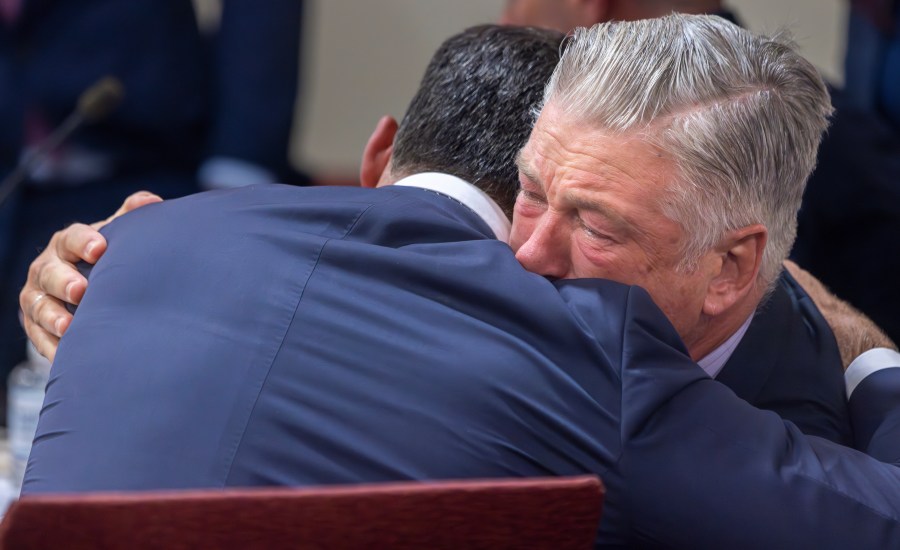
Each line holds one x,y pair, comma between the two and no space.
137,200
60,280
51,315
54,271
133,202
44,342
76,243
45,312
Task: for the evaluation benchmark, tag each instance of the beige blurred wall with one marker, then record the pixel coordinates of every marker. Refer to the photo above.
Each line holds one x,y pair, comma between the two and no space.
364,59
818,26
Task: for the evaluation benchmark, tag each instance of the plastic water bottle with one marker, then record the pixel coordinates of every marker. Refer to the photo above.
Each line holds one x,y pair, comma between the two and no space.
27,383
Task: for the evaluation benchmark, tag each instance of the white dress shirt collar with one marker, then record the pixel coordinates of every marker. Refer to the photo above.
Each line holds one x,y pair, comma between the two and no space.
466,193
714,361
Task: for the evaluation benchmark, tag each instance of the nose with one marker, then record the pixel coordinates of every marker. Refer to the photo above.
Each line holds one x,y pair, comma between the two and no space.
546,251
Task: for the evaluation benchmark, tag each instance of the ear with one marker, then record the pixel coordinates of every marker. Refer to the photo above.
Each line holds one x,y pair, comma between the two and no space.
739,257
377,154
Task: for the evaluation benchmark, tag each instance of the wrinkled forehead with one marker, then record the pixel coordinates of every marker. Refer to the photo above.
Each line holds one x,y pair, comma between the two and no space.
559,133
622,179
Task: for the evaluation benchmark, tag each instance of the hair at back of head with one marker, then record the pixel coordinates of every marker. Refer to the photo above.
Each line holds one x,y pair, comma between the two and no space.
473,110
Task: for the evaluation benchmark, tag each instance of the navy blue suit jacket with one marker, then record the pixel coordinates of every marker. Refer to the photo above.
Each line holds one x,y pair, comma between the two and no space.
328,335
788,362
875,415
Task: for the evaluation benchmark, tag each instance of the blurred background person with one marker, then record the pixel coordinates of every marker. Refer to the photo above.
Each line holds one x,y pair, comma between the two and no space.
199,111
565,15
872,62
850,221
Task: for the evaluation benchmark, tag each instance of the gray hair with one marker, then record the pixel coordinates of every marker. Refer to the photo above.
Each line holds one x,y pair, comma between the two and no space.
741,114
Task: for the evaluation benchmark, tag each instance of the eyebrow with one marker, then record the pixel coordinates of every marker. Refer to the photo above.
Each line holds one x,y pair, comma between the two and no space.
526,170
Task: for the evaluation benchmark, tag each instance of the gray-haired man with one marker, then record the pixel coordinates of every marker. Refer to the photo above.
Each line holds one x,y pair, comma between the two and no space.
774,348
644,170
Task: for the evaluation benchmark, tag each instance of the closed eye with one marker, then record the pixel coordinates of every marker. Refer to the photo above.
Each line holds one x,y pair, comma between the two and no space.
532,196
594,233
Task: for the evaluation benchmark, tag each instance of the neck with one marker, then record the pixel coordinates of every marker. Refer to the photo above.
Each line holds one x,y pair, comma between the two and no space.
712,332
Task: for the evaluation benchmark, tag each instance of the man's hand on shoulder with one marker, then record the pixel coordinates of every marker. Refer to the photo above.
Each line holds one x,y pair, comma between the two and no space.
855,333
53,279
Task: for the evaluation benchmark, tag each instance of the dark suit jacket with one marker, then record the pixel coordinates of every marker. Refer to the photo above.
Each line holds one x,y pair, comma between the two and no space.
328,335
875,415
788,362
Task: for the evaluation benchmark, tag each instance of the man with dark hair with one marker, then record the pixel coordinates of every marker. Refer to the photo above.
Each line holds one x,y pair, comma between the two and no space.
467,118
221,333
435,135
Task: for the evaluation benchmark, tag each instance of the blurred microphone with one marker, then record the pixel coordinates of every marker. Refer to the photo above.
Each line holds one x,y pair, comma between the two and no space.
94,104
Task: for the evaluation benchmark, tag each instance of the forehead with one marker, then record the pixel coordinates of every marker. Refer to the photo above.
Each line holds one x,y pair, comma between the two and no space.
560,148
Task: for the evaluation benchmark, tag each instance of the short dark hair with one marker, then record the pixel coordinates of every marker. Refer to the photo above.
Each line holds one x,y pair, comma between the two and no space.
475,107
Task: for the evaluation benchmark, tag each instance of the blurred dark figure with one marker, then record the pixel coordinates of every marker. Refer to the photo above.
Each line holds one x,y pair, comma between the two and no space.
872,63
848,233
199,112
849,226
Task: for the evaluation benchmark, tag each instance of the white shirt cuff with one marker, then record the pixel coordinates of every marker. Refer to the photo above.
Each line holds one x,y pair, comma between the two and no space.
228,173
868,363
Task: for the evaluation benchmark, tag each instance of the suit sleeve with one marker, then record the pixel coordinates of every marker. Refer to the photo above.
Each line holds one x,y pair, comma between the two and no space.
875,414
704,469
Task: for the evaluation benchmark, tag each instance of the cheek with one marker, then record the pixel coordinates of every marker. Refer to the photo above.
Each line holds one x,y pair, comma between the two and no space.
605,260
524,222
520,232
680,299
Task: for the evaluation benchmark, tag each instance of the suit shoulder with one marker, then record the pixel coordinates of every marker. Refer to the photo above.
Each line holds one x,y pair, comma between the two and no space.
875,414
613,310
272,208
